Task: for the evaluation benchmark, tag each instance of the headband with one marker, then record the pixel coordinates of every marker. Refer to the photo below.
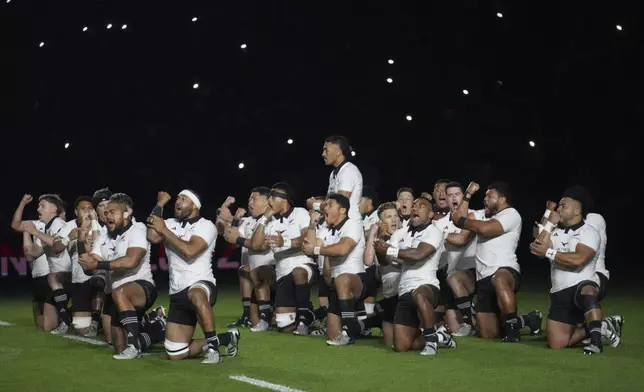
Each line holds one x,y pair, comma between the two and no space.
283,195
187,193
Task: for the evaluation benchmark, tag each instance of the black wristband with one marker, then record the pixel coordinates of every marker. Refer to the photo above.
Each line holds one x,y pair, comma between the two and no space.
235,223
103,265
461,222
80,246
467,197
240,241
157,211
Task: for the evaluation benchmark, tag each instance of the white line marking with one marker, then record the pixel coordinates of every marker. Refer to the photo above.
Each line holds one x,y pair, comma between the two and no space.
85,340
264,384
5,324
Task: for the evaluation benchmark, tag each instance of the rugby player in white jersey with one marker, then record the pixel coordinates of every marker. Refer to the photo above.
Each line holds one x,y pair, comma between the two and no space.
125,252
343,248
189,241
282,228
260,262
389,222
60,264
345,179
418,248
44,311
369,212
405,199
88,292
497,269
573,250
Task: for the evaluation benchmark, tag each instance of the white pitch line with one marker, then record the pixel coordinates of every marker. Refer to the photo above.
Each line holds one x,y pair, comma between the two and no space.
264,384
85,340
5,324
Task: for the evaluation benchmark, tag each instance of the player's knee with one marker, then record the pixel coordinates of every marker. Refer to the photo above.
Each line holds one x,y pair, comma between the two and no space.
300,275
97,283
589,303
81,323
284,320
501,281
176,350
589,289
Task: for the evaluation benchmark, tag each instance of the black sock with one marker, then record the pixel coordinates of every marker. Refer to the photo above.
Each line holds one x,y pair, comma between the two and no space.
153,333
374,321
130,323
348,315
512,325
321,312
429,334
265,311
361,312
595,332
464,304
302,298
439,317
246,305
61,300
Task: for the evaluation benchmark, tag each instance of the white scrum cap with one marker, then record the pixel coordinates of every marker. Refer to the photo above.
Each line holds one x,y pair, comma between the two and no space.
190,195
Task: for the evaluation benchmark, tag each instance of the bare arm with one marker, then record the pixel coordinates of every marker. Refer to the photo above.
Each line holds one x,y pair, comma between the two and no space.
32,251
463,237
188,249
413,255
17,215
341,248
582,255
258,238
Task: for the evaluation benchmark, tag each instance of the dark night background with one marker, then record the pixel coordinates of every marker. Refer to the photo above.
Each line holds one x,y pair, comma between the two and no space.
557,73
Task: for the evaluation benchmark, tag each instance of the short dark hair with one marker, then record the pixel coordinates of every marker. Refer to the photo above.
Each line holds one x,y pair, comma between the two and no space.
342,200
101,195
442,181
82,199
426,199
341,142
390,205
455,184
405,189
55,200
122,198
504,190
262,190
290,192
368,192
583,196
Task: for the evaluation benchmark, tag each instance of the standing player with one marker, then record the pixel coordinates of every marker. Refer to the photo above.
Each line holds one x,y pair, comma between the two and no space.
497,269
284,234
573,250
50,207
125,252
418,248
260,262
345,179
44,311
343,248
190,241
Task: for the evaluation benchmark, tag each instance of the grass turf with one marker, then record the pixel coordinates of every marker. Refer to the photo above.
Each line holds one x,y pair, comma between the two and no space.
37,361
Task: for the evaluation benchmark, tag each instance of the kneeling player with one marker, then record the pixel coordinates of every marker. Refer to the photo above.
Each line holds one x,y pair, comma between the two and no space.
418,248
190,241
573,251
343,247
125,252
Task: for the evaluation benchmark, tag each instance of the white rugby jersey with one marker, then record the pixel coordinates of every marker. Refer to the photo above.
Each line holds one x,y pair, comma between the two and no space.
566,240
289,226
597,221
347,178
184,273
253,258
353,262
40,266
404,223
322,232
60,262
108,248
390,274
456,258
414,275
495,252
78,275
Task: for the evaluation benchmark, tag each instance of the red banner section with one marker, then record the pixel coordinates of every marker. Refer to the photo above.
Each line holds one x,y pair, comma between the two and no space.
14,263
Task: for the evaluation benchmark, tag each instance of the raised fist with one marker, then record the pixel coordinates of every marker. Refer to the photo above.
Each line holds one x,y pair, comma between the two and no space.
472,188
163,198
